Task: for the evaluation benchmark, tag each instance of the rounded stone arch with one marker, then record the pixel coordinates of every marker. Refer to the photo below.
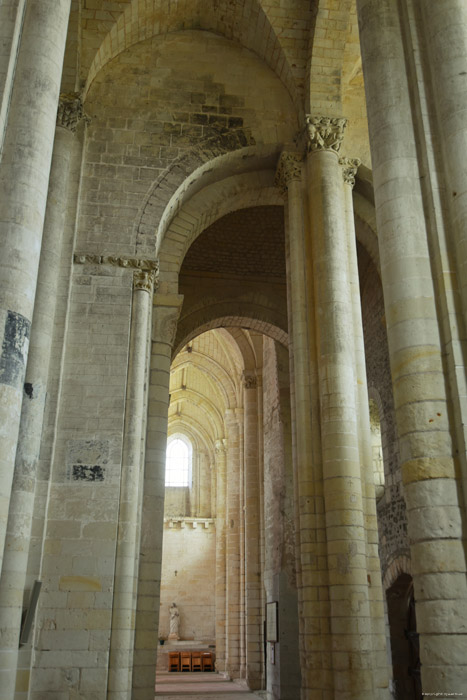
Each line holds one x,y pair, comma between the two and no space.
224,196
249,26
185,174
241,190
250,322
399,565
173,206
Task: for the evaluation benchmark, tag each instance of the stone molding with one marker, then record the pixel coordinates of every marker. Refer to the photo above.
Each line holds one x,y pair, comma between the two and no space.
115,261
70,111
288,169
179,522
144,280
349,169
324,133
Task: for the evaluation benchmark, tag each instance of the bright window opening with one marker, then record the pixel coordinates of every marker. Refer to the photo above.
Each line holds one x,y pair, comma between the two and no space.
178,462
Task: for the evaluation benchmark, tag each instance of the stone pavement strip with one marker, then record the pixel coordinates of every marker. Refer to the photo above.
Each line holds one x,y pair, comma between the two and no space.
174,686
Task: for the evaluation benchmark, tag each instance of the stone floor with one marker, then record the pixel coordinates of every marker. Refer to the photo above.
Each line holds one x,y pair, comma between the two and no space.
175,686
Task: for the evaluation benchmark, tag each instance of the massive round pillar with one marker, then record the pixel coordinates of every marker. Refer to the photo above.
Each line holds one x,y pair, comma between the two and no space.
15,561
24,178
430,471
350,618
444,25
314,643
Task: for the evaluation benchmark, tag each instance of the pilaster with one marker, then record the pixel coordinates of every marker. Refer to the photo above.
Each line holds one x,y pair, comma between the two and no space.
126,565
165,314
221,553
251,500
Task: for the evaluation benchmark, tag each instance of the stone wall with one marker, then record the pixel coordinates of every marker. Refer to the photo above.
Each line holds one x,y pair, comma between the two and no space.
188,578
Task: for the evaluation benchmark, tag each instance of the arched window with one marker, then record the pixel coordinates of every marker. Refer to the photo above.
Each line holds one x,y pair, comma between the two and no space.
178,461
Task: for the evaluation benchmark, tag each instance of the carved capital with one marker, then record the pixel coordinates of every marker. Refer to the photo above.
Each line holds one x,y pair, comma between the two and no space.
288,169
349,169
165,317
250,381
324,133
70,111
144,280
220,447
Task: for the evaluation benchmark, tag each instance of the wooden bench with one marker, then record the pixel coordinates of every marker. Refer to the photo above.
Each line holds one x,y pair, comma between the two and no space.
174,661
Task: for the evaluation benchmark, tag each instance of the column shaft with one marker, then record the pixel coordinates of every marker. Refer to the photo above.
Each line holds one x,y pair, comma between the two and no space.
429,471
221,554
15,562
345,525
165,315
444,25
125,582
375,589
253,610
313,596
233,598
24,176
11,25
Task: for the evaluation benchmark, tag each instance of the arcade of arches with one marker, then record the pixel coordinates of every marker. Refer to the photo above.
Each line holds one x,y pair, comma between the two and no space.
241,224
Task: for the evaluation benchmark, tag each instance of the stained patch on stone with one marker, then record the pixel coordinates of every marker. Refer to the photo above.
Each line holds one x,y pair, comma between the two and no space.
86,459
14,349
28,389
83,472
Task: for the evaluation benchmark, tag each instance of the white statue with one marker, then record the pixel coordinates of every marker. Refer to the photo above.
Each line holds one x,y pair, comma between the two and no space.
174,622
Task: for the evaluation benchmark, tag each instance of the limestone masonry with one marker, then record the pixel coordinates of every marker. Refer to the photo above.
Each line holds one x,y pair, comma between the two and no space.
233,342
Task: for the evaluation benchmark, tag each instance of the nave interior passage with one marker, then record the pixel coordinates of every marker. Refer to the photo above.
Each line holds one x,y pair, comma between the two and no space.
233,342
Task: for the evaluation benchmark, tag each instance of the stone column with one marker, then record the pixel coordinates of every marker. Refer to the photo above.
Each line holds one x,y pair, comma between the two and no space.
429,471
221,552
444,25
14,570
375,588
125,581
233,513
166,311
24,177
11,25
253,610
313,596
345,523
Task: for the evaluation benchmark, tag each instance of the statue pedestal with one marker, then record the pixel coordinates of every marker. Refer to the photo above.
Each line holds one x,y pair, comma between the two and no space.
173,637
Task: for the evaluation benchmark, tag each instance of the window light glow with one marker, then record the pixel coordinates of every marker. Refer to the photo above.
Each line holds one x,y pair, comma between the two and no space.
178,462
